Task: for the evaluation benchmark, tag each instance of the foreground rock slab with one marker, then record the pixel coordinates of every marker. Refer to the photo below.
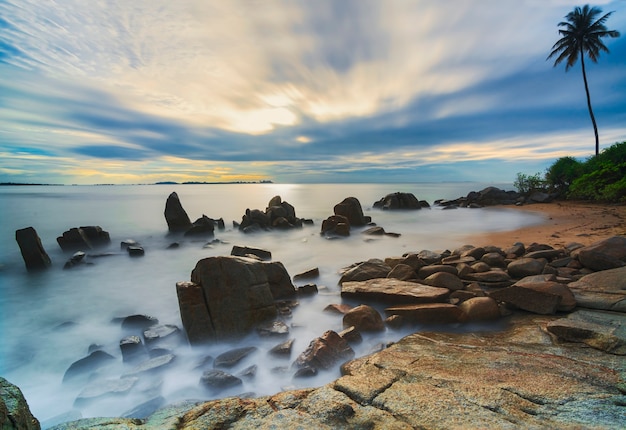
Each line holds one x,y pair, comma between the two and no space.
393,291
521,377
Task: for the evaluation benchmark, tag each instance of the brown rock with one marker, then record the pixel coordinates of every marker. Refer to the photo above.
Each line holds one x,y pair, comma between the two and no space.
444,280
364,318
525,267
493,259
429,313
490,276
338,308
426,271
604,255
350,208
602,290
528,299
480,309
598,329
402,272
325,352
370,269
567,302
393,290
480,267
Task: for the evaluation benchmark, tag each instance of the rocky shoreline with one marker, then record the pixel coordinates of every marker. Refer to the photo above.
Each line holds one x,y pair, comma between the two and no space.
559,355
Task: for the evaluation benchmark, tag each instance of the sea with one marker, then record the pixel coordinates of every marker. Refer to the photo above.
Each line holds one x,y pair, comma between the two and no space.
50,319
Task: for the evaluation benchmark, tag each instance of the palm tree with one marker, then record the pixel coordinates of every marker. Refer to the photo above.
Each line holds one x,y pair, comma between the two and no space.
582,35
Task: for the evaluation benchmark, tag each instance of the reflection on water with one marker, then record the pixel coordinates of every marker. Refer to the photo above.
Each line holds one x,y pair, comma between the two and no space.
50,319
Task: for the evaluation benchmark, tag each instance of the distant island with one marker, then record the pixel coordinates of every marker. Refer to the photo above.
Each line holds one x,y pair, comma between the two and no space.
156,183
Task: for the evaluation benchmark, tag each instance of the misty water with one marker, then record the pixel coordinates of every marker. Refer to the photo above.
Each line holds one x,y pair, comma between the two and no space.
48,320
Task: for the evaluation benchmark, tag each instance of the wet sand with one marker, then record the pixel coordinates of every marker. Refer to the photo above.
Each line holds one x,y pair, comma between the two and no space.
565,222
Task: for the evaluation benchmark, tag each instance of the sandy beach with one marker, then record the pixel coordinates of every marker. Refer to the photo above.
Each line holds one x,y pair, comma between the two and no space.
566,222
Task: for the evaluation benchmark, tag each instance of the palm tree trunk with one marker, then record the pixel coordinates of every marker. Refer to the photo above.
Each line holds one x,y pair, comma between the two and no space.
593,118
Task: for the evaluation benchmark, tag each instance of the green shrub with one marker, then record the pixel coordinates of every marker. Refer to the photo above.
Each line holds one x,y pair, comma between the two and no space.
526,184
562,173
607,183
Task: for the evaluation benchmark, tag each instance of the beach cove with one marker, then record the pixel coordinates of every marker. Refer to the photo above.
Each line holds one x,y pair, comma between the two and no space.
368,394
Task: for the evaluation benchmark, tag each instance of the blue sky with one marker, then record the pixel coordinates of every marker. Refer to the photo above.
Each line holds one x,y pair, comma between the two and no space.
296,91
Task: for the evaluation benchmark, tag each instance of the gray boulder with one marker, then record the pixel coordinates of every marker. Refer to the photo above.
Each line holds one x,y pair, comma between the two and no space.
33,253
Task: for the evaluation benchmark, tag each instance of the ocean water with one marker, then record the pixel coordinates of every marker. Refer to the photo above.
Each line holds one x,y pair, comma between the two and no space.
48,320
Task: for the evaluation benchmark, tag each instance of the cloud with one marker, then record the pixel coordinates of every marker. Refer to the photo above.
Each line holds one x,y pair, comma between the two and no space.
294,85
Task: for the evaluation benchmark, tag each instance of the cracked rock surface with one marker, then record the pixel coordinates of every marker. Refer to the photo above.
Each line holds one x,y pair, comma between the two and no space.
521,377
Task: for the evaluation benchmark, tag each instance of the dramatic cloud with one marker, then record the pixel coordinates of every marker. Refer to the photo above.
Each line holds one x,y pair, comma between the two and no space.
355,90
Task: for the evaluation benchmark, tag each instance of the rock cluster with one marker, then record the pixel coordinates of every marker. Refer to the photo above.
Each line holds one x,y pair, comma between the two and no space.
348,213
400,201
279,215
178,221
472,283
492,196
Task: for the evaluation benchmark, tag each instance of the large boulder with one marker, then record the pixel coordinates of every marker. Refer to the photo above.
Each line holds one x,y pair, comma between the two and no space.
14,411
33,253
350,207
83,238
176,217
363,271
399,201
604,290
604,255
228,296
528,299
364,318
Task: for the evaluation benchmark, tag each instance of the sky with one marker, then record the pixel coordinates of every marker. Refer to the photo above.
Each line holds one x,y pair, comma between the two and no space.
142,91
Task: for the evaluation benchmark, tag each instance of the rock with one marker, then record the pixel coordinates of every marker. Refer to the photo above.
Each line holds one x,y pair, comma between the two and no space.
430,257
517,249
370,269
325,352
138,322
540,197
135,251
364,318
153,365
393,290
490,276
604,255
336,225
244,251
106,388
217,380
445,280
426,271
145,409
525,267
528,299
124,244
274,328
480,309
350,208
307,274
132,349
548,254
203,226
93,361
279,280
398,201
351,335
605,290
167,334
33,253
282,349
233,357
340,309
307,290
83,238
493,259
601,330
75,260
175,216
428,313
14,411
402,272
228,296
567,302
411,260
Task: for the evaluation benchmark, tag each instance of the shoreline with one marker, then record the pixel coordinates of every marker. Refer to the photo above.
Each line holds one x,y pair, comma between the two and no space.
565,222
